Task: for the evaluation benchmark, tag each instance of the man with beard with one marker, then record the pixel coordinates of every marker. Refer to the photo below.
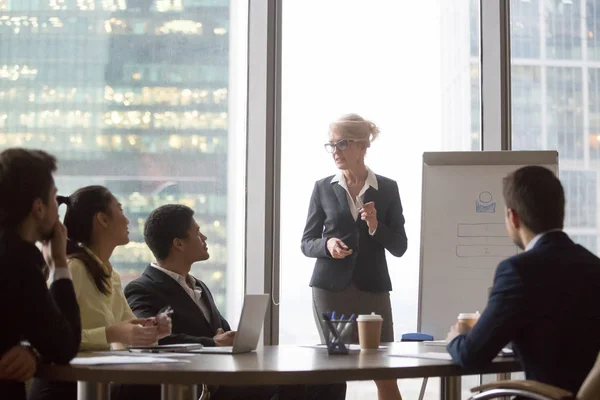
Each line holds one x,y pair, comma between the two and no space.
545,299
47,318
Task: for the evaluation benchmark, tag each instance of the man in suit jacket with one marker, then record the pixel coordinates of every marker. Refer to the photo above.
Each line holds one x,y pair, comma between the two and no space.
175,239
545,299
47,318
195,320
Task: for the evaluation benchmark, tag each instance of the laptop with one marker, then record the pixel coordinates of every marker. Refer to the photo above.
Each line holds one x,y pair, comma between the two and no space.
249,328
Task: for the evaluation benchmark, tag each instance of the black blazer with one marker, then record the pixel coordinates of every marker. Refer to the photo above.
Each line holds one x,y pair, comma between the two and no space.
46,317
546,301
154,290
329,217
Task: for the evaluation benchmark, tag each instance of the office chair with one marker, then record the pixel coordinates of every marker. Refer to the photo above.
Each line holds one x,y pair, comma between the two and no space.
590,389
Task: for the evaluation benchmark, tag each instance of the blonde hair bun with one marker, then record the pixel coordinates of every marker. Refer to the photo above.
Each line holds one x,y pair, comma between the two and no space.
353,126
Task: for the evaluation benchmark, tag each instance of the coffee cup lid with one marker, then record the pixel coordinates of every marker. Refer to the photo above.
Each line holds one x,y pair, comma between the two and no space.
369,317
474,315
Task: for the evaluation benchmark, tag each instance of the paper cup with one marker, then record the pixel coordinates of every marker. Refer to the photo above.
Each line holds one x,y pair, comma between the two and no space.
369,331
466,321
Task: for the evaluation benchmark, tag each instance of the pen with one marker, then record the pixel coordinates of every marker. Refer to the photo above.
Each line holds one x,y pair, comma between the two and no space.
162,313
334,332
168,310
348,325
339,324
327,319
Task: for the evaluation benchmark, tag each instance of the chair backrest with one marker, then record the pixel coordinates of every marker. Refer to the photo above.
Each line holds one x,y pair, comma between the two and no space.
590,389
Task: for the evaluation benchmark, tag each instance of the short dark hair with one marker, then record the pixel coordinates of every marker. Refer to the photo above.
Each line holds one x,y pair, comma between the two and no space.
164,224
25,176
537,197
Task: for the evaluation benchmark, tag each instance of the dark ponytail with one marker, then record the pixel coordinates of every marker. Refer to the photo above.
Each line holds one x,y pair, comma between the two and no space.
82,207
62,200
72,247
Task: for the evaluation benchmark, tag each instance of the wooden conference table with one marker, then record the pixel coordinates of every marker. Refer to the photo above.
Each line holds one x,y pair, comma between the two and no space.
273,365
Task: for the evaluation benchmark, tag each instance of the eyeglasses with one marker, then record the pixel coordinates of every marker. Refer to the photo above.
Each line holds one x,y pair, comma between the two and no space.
341,145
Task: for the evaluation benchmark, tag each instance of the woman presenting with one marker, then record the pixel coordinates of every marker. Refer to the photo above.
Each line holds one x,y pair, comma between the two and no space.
353,217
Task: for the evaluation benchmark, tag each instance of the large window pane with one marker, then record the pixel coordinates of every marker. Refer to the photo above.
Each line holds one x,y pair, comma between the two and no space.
140,96
564,111
592,26
526,113
525,25
413,68
555,102
562,21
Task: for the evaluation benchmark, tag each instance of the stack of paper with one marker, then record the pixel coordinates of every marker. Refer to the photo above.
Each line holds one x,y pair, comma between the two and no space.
440,343
428,356
115,360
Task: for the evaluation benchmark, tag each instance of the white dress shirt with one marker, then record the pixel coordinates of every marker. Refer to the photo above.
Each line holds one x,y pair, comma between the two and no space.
537,237
355,204
188,283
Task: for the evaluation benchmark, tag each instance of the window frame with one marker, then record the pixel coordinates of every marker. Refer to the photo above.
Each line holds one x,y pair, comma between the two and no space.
263,163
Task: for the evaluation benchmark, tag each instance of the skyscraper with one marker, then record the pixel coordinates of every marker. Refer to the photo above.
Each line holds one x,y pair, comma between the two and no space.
555,82
130,94
554,91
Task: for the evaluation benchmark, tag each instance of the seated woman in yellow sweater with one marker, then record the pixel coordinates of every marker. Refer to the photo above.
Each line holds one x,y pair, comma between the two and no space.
96,225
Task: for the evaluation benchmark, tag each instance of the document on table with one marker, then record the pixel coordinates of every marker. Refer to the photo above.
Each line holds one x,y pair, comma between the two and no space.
440,343
122,353
116,360
427,355
505,352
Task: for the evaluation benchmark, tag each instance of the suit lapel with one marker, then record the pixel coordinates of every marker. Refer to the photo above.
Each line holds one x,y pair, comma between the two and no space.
215,318
342,197
177,294
371,195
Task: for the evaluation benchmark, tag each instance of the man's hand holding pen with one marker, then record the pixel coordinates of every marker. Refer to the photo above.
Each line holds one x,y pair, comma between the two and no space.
163,321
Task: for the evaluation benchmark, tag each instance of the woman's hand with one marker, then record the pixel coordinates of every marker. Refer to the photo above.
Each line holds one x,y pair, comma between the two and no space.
368,213
18,364
337,248
133,333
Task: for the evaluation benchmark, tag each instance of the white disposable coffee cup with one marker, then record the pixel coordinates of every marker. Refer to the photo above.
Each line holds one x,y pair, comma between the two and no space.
369,331
466,321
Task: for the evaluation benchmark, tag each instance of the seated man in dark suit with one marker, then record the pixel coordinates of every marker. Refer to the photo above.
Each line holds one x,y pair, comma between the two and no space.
175,239
48,318
544,300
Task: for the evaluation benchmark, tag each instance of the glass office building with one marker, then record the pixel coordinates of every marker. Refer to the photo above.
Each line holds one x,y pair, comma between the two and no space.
130,94
555,81
555,65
